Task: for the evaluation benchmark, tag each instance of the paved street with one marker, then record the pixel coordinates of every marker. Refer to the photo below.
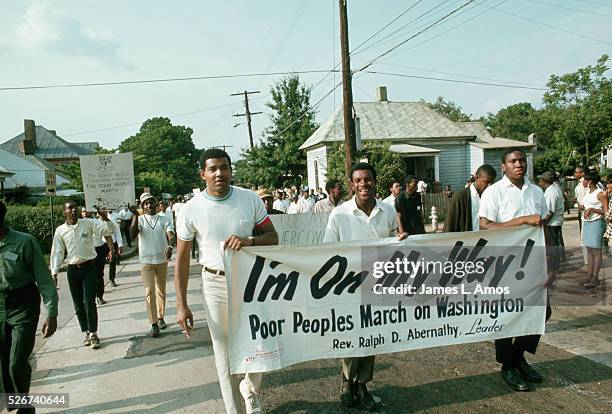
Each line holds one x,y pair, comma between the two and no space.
134,373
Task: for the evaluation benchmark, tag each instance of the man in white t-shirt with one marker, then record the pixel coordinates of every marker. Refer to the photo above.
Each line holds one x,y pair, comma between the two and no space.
227,215
125,215
360,218
293,207
395,189
153,232
421,187
306,203
514,201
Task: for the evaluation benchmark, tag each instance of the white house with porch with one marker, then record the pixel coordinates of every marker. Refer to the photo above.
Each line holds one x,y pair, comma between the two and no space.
434,148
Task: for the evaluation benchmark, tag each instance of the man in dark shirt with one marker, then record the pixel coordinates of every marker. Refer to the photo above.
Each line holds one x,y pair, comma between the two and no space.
24,278
409,208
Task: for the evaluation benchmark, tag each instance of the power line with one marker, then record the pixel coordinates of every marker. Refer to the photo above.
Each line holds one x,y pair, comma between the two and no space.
415,35
288,33
386,25
596,3
162,80
448,30
546,24
569,8
456,80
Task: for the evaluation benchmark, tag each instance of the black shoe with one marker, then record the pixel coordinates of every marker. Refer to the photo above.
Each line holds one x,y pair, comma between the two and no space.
101,301
154,331
512,377
113,284
364,398
346,393
528,373
162,324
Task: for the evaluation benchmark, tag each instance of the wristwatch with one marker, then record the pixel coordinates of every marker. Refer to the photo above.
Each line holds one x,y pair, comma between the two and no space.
252,239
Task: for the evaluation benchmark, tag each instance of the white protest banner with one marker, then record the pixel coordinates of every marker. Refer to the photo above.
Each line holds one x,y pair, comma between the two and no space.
108,180
289,304
300,229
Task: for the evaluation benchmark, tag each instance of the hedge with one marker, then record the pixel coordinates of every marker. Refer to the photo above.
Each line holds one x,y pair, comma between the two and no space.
35,221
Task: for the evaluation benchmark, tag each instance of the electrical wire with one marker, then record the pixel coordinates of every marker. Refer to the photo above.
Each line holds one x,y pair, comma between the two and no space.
569,8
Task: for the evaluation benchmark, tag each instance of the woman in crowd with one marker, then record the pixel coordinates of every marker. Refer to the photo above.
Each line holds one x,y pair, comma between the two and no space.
593,226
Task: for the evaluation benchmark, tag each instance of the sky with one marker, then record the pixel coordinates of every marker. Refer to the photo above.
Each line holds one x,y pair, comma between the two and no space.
42,42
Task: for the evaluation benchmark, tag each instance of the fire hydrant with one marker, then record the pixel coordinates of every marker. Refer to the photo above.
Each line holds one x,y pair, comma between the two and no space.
434,218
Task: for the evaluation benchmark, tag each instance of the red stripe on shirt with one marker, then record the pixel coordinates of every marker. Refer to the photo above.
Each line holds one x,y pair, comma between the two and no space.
263,222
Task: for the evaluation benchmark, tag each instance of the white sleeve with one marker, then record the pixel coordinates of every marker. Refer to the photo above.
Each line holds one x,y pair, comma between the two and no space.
549,198
184,225
488,206
57,252
331,231
118,237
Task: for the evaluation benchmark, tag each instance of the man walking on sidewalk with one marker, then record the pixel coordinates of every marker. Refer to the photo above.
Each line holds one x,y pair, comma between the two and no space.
228,215
361,218
153,231
75,240
24,278
511,202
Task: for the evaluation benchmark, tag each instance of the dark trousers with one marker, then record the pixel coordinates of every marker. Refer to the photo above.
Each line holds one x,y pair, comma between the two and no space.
125,229
508,351
112,267
554,250
17,336
360,369
83,285
101,252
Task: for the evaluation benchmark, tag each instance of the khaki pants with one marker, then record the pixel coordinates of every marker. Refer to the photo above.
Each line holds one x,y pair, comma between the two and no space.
154,280
215,305
360,368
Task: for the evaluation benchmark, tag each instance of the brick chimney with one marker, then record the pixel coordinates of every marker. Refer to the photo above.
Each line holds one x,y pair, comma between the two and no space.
28,145
381,94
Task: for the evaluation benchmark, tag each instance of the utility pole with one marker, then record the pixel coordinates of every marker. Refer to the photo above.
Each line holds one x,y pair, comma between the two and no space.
350,142
223,146
247,113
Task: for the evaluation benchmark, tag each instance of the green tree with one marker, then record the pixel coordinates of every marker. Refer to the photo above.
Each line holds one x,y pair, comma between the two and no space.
389,166
580,106
516,121
277,161
449,109
165,157
72,171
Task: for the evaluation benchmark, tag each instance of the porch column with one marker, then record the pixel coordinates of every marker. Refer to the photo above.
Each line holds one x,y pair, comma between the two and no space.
437,168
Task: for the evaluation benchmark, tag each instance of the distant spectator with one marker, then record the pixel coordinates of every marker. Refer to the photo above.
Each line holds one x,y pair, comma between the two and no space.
395,190
448,192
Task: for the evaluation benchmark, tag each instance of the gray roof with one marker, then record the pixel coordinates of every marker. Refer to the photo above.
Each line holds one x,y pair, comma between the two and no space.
27,173
50,146
486,141
391,121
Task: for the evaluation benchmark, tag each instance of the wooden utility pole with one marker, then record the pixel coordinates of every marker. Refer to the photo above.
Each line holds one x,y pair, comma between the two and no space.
223,146
247,113
350,141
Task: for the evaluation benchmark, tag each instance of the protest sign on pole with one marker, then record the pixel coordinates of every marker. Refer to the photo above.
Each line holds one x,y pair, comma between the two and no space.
108,180
289,304
300,229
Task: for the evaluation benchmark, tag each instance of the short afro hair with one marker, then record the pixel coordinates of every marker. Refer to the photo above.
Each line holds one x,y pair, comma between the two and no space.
213,153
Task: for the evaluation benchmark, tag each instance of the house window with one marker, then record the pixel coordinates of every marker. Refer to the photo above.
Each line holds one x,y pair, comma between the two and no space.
316,172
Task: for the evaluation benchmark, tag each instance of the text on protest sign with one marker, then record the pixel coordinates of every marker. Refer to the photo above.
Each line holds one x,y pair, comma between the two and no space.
300,229
298,303
108,180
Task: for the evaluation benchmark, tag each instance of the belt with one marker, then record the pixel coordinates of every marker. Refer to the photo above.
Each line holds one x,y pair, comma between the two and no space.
81,265
214,272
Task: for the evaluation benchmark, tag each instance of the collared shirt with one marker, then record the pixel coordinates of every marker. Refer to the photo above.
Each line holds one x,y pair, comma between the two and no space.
580,191
305,205
555,203
475,200
116,236
292,209
324,205
503,201
22,263
390,200
347,222
125,214
281,205
78,241
153,238
410,207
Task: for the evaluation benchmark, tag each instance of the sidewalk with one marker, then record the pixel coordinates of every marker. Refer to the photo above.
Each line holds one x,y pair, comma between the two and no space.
134,373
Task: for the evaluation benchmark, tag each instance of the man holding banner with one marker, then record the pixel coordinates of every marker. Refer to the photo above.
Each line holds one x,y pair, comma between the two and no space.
511,202
361,218
220,217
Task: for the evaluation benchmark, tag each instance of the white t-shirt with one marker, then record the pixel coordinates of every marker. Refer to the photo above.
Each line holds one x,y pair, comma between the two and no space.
176,208
281,205
390,200
153,239
293,208
580,191
347,222
555,203
503,201
305,205
211,220
421,187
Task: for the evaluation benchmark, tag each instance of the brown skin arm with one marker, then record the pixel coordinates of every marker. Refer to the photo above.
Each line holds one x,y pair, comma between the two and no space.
171,243
400,226
267,236
532,220
134,226
184,317
111,247
49,327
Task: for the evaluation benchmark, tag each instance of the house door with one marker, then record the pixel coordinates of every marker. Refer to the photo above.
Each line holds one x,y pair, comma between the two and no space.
422,167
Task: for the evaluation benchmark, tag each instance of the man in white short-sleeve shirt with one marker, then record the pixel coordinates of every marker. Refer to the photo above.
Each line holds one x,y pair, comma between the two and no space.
511,202
228,215
363,217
